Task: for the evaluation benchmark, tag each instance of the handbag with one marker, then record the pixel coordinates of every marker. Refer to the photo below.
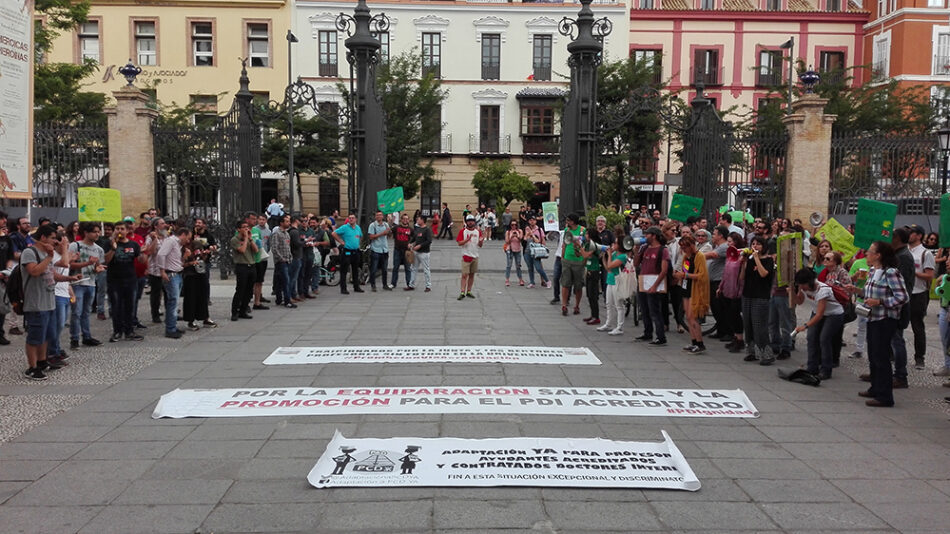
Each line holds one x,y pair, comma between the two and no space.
538,250
410,256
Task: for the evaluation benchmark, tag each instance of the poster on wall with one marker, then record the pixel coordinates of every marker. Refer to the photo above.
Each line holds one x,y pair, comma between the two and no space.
16,98
287,401
551,462
434,353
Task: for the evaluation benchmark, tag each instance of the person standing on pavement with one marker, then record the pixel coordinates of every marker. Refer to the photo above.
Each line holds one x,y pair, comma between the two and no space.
534,234
210,246
64,295
349,236
121,257
446,230
378,232
924,269
715,266
152,244
402,236
572,264
421,245
513,252
194,292
170,264
88,259
244,249
470,239
758,271
614,261
102,279
905,266
275,211
604,237
6,259
556,270
885,295
260,234
506,218
296,255
653,263
280,250
592,263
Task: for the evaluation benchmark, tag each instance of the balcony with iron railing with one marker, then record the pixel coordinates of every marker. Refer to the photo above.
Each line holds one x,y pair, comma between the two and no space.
879,71
941,66
442,145
833,77
542,73
435,70
328,69
767,77
492,145
540,144
709,78
491,72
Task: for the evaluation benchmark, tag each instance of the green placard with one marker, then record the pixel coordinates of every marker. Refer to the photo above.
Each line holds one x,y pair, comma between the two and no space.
685,206
873,222
724,208
99,204
945,220
390,200
841,239
738,216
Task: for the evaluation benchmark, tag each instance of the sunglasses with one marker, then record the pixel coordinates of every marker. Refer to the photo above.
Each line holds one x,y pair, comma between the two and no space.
829,258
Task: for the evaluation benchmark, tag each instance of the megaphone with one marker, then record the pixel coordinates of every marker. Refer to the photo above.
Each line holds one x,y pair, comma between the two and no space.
943,290
816,218
630,242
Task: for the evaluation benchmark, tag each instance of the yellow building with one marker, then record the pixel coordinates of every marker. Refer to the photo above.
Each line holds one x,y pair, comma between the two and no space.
188,50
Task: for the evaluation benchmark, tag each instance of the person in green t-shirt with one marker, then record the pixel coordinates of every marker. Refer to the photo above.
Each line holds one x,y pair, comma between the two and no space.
572,264
859,275
613,261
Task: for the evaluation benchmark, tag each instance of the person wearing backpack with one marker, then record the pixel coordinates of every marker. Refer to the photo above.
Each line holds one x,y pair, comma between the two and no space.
39,299
823,326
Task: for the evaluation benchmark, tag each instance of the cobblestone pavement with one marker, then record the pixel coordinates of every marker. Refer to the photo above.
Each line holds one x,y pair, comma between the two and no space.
80,452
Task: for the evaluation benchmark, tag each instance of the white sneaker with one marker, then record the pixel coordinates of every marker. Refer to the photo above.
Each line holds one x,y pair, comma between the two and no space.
615,332
943,371
604,328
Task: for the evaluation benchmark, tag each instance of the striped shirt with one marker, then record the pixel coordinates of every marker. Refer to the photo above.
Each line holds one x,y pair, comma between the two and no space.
888,287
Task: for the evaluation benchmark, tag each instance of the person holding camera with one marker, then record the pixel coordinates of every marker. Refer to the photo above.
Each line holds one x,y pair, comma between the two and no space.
245,273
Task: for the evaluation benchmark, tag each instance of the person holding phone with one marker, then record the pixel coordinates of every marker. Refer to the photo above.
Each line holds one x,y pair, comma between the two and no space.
122,281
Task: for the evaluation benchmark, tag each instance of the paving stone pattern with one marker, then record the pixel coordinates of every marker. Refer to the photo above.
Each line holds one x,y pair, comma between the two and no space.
80,452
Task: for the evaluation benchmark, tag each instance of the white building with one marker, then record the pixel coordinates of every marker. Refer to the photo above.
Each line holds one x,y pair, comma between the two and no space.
504,65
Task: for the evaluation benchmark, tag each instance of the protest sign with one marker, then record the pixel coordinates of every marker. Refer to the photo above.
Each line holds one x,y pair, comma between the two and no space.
390,200
945,221
422,354
549,209
99,204
841,239
685,206
788,258
738,216
553,462
287,401
873,222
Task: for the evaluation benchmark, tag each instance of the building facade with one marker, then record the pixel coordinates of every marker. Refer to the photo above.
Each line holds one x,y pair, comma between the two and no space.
504,66
734,48
189,50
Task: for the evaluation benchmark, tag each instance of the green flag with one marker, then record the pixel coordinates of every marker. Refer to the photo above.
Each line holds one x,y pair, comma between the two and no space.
685,206
724,208
873,222
945,220
390,200
738,216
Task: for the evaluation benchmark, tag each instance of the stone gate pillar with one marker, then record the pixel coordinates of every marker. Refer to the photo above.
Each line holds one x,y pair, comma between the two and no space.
131,154
808,163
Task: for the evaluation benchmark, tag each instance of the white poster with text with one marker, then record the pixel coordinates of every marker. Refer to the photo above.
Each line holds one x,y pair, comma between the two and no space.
287,401
554,462
433,354
16,97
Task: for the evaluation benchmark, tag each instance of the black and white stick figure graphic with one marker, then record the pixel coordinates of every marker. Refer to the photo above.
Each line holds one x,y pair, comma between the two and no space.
409,460
343,459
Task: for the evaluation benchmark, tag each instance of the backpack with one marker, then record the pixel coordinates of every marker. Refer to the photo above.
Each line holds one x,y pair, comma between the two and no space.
15,289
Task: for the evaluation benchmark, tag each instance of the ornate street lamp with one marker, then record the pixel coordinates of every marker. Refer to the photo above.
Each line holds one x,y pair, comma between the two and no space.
943,139
130,71
579,119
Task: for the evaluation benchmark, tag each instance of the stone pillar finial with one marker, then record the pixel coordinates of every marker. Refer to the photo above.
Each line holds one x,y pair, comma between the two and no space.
808,160
131,150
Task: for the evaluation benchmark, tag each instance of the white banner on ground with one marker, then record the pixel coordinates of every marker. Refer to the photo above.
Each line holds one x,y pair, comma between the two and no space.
559,462
289,401
429,354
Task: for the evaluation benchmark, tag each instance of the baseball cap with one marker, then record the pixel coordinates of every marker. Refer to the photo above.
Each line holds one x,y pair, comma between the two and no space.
916,229
469,217
129,219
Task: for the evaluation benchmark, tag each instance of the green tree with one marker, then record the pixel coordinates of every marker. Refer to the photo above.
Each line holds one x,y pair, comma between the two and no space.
630,128
413,121
498,179
57,87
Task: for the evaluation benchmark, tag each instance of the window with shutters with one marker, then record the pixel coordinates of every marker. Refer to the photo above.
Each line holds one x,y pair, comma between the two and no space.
541,61
146,42
491,56
942,54
768,73
880,58
706,68
652,59
258,44
89,45
831,67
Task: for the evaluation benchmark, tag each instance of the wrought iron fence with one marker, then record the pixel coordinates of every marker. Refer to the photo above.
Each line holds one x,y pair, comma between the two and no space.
66,158
906,171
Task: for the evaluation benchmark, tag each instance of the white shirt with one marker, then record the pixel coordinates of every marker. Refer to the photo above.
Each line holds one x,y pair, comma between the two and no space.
824,292
470,248
923,260
62,288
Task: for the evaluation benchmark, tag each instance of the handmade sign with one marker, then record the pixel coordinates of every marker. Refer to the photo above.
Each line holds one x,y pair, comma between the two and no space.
390,200
873,222
685,206
788,258
99,204
945,221
841,239
549,209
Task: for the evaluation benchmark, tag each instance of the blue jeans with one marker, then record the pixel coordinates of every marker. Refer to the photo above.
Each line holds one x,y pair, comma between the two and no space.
377,261
652,316
53,347
534,264
85,297
556,279
516,256
944,335
821,339
293,274
399,258
781,324
172,292
102,290
281,276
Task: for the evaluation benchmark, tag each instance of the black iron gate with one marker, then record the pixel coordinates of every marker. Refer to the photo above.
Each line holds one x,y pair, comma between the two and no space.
211,171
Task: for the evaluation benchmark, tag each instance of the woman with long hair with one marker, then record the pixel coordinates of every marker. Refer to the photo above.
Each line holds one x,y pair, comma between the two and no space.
884,294
694,280
512,247
730,289
756,292
534,234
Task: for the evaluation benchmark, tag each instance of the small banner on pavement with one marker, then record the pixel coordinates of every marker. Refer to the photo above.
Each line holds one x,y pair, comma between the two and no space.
246,402
390,200
684,207
553,462
423,354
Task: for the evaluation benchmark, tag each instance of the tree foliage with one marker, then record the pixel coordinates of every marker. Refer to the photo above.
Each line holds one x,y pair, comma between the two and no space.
57,87
497,179
630,128
316,143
